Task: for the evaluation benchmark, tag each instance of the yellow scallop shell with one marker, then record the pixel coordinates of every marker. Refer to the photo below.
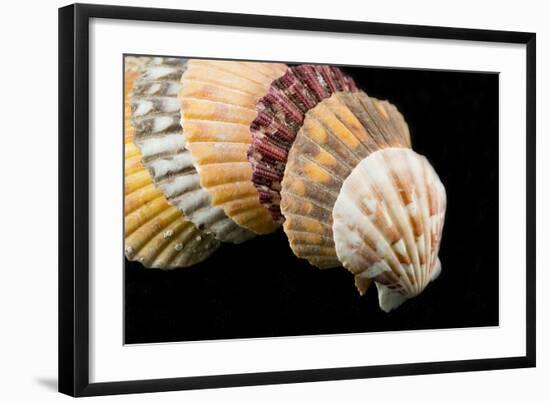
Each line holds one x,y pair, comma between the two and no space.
218,104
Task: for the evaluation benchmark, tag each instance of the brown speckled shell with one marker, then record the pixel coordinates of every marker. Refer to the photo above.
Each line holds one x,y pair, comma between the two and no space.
281,113
218,104
336,135
155,233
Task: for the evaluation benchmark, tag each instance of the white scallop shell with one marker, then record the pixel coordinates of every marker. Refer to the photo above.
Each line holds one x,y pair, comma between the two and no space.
387,224
156,117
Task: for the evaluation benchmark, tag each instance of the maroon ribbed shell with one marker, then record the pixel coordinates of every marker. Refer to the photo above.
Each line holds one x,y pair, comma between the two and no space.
281,113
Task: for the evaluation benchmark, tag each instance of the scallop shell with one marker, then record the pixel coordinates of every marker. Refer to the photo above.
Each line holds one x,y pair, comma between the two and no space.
134,64
336,135
155,233
388,222
218,104
156,116
131,72
281,114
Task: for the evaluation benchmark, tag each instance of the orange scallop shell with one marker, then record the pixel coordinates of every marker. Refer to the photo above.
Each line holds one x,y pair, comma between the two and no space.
218,104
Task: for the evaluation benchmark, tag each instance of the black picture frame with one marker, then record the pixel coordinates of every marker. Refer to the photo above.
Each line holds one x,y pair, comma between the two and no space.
74,198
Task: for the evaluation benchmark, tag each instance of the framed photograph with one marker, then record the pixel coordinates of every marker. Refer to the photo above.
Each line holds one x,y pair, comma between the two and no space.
249,199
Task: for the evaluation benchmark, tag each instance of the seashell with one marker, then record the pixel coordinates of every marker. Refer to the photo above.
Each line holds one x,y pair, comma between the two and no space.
336,135
388,222
281,113
131,72
155,233
156,117
218,104
134,64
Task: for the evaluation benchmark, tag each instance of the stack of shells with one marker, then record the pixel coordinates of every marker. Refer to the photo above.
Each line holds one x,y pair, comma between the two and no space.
222,151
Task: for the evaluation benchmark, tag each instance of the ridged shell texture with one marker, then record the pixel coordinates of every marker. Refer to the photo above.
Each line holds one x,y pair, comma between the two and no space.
281,114
336,135
218,104
156,117
226,150
388,222
156,233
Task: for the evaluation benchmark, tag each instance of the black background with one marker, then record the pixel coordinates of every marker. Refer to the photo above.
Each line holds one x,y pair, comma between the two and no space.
260,289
